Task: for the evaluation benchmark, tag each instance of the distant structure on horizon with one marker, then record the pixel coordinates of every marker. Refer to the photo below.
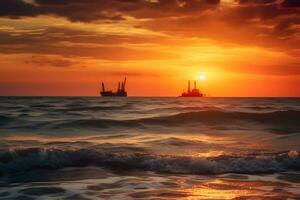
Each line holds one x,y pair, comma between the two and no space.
194,92
121,92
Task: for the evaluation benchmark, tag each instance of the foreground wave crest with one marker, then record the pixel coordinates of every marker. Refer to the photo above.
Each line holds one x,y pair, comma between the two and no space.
53,158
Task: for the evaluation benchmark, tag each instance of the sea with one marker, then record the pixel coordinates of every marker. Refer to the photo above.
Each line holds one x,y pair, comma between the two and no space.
149,148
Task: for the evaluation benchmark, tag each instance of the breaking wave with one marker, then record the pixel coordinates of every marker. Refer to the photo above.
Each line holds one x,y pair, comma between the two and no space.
54,158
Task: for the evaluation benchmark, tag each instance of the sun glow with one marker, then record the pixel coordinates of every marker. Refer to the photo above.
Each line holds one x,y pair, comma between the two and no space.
202,77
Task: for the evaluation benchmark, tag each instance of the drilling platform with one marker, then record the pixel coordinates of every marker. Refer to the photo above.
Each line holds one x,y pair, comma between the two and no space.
194,92
121,92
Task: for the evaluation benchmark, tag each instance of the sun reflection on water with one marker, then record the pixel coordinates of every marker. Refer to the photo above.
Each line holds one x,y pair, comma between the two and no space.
209,154
220,189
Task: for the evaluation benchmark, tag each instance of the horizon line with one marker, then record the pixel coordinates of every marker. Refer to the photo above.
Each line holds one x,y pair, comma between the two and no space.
151,96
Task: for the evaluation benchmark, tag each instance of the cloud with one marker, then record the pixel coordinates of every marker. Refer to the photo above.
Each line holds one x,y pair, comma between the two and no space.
93,10
264,20
68,42
135,73
256,1
16,9
85,11
42,61
288,69
266,23
291,3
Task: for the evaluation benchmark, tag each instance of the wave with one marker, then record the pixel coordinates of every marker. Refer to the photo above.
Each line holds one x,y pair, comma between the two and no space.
286,119
52,158
217,115
94,108
181,109
5,120
173,141
278,121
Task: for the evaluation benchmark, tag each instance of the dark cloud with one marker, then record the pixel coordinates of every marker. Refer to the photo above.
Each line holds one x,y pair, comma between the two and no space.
285,27
173,8
262,12
17,8
92,10
256,1
291,3
86,11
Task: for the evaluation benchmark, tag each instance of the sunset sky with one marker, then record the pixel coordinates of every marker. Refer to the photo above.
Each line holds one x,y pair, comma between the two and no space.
67,47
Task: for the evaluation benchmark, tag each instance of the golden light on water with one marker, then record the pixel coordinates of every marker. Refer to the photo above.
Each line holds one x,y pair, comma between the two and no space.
220,189
209,193
210,154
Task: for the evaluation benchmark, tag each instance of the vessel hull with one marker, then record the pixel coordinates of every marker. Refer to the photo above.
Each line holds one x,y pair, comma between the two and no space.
112,94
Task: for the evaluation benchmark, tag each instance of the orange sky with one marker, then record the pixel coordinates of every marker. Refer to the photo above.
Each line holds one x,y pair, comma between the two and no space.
67,47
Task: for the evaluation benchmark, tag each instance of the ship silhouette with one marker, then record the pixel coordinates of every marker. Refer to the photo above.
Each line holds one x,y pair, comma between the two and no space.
121,92
192,93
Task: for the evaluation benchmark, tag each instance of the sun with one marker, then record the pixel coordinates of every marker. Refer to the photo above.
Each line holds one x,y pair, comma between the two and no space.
202,77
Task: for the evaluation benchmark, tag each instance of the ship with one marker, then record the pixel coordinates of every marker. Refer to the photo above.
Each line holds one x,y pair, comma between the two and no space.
194,92
121,92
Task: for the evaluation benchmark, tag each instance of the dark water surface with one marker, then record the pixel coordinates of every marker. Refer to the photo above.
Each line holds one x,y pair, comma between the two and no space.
149,148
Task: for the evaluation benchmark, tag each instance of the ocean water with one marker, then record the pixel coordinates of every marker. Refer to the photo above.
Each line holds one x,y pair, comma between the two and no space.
149,148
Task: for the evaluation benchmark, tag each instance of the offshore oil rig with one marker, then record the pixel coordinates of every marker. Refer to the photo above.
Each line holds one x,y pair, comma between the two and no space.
121,92
194,92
